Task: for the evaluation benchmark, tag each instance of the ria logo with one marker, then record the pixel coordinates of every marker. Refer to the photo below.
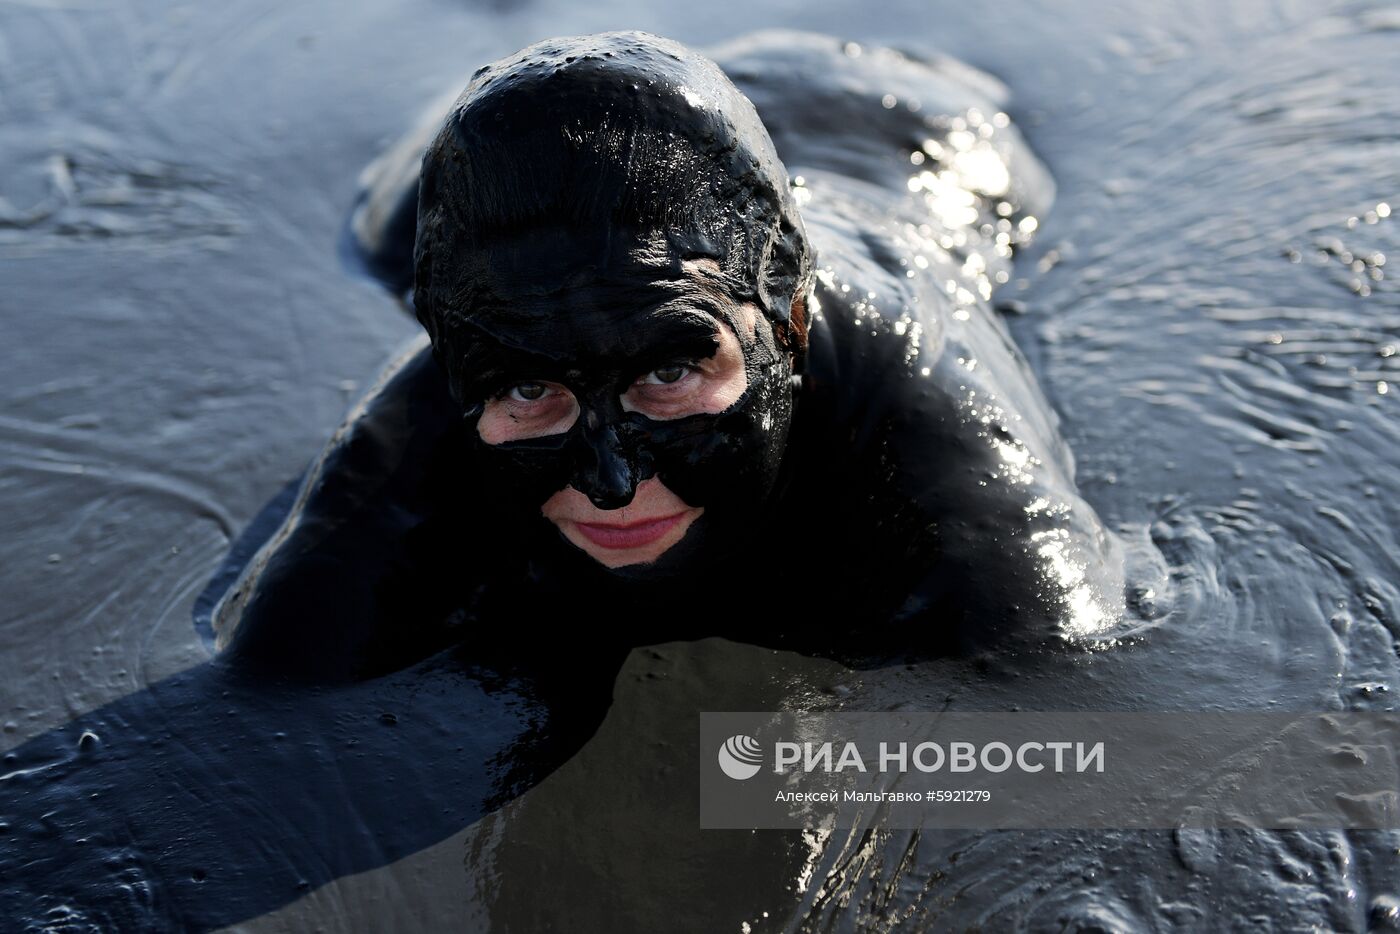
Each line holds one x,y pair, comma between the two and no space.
740,757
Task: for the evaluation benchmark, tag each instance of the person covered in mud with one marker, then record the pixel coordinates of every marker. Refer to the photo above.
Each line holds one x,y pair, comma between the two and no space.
670,392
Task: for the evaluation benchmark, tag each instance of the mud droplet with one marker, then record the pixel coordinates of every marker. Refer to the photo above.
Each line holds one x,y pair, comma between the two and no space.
1385,913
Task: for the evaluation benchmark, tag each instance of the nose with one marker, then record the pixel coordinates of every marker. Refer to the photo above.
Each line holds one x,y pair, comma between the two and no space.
604,472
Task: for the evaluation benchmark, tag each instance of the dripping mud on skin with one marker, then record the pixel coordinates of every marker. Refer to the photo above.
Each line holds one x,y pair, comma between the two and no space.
1222,400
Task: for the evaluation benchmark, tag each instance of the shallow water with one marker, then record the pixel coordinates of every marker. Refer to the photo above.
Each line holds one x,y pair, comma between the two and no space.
182,337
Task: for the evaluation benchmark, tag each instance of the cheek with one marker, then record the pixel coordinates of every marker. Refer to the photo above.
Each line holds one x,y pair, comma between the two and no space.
726,388
734,464
501,420
658,499
559,505
492,427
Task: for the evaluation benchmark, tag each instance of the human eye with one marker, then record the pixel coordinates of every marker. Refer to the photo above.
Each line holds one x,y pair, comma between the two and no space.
701,374
668,391
667,375
527,409
526,392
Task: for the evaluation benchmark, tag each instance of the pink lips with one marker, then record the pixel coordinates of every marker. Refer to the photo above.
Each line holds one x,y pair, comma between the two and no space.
634,535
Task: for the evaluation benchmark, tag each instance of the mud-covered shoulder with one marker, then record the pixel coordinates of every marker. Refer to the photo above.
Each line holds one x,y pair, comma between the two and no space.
922,429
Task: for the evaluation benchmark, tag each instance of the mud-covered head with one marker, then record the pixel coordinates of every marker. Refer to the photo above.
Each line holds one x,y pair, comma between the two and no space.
600,214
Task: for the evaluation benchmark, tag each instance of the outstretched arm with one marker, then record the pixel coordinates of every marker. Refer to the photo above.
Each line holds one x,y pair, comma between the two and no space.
345,565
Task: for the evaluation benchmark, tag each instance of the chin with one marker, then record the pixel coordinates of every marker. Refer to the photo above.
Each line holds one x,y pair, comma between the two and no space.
617,563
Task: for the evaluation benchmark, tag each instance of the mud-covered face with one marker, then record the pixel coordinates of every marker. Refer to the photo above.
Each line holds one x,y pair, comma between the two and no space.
633,416
598,216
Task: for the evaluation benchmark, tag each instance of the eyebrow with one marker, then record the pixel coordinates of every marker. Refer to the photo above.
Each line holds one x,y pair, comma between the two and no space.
492,367
669,333
681,330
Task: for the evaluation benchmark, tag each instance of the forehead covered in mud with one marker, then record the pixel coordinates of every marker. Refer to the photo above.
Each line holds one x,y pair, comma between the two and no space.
645,314
577,178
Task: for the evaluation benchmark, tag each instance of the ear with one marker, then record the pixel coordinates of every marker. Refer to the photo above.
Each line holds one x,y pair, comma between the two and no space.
794,332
